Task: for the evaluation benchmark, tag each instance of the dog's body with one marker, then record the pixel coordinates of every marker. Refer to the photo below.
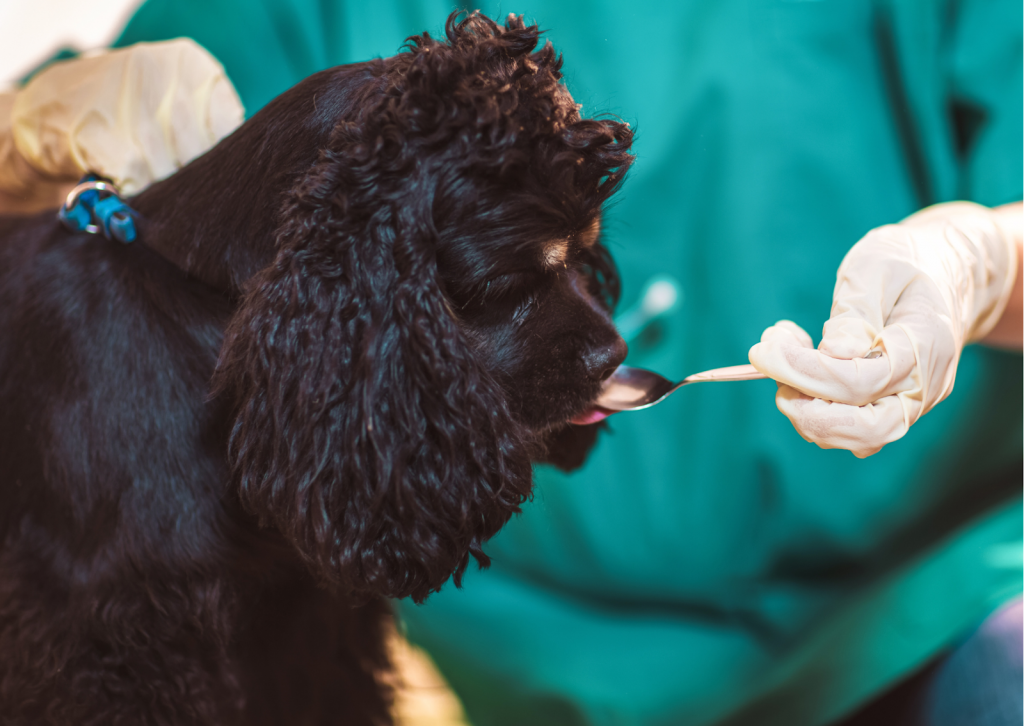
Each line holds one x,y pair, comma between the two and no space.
131,584
317,382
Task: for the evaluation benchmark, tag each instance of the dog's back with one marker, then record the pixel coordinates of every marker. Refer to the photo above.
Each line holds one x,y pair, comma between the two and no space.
106,353
125,563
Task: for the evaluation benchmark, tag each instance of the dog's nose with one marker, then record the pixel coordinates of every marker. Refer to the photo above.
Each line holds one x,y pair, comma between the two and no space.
601,361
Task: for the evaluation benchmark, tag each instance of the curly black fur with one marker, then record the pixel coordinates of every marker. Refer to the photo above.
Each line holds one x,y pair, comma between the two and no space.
319,381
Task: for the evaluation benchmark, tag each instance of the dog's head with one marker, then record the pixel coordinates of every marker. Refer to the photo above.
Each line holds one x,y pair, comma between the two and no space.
437,310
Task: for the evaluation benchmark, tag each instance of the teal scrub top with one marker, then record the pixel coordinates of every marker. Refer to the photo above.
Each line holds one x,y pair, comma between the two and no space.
707,565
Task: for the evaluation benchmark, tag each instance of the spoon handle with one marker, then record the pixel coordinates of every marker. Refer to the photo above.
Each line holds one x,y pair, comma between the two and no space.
744,372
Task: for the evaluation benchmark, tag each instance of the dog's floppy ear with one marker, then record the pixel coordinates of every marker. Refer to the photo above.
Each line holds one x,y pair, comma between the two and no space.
365,430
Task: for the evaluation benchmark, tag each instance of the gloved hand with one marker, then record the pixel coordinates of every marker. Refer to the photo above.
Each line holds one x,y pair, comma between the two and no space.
908,297
22,188
134,115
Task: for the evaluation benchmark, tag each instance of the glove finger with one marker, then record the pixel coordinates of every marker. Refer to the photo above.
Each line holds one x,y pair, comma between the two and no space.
848,336
787,330
863,430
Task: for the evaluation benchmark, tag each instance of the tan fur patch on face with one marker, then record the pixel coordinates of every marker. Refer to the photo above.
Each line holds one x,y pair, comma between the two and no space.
555,252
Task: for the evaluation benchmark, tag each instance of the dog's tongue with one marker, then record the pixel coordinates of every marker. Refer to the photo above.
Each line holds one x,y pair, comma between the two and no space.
591,416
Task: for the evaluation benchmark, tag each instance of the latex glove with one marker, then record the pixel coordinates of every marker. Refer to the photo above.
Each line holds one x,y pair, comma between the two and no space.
22,188
912,294
134,115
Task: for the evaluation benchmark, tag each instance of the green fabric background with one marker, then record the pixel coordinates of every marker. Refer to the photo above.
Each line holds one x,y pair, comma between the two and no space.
708,566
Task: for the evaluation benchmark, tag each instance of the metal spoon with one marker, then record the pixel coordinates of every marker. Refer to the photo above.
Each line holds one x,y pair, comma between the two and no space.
631,389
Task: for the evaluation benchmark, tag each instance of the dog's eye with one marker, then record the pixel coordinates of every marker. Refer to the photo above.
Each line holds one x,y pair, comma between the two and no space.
508,288
510,283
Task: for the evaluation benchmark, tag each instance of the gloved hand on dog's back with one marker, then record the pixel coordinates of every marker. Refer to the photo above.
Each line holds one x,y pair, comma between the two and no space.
134,115
908,297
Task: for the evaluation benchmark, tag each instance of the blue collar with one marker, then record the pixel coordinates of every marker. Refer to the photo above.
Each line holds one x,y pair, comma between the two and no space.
95,206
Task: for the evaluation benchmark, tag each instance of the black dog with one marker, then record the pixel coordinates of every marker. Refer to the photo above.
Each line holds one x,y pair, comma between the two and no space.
318,381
